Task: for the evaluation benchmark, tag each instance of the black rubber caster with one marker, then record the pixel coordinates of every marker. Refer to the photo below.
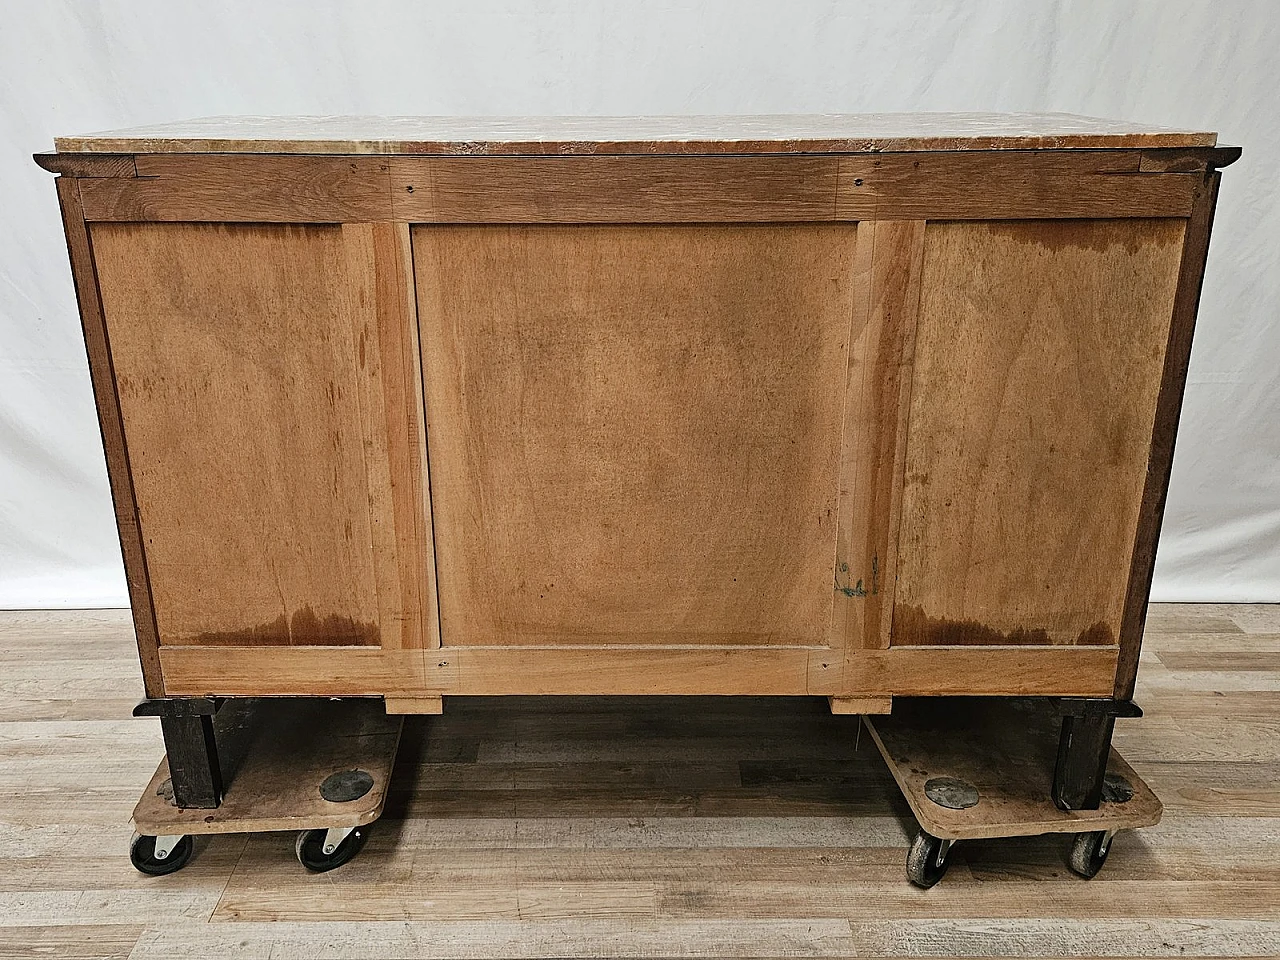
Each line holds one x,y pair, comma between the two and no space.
311,853
1089,852
927,860
142,854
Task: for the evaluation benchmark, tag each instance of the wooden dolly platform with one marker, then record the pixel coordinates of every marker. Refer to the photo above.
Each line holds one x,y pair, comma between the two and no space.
314,765
974,768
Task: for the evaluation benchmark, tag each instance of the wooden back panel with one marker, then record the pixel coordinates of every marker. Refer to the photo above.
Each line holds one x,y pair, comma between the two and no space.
1038,358
635,430
249,363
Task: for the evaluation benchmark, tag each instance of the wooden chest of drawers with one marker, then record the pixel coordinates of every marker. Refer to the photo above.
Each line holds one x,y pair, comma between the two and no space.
858,407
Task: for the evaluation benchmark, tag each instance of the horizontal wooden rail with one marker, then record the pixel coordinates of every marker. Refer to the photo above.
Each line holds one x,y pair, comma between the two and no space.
964,185
495,671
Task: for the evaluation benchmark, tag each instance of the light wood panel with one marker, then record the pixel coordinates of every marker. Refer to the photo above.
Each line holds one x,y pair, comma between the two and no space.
613,189
508,671
730,826
877,390
251,364
1008,186
414,705
860,705
634,431
382,251
244,189
284,671
626,671
981,671
1039,351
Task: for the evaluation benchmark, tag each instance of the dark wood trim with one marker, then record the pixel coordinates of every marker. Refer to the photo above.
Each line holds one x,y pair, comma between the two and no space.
1188,159
178,707
87,164
1084,747
192,751
111,423
1195,247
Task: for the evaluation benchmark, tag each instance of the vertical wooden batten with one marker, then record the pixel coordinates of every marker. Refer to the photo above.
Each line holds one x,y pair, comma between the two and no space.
888,262
111,424
404,412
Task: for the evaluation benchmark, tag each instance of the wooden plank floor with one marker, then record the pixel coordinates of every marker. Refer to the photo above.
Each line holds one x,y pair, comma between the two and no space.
631,827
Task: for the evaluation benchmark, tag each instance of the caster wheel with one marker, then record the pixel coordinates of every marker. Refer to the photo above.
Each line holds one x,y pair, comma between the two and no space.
1089,852
927,860
142,854
311,853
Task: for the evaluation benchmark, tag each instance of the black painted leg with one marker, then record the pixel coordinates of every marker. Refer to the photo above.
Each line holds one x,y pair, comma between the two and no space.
193,761
189,741
1083,750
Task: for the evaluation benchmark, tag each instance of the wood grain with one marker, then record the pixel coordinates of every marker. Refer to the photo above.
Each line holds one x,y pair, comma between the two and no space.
414,705
267,506
877,394
286,671
1173,379
983,185
405,411
380,274
244,189
645,670
635,431
506,671
1008,186
613,189
982,671
1039,348
1183,160
87,164
860,705
110,420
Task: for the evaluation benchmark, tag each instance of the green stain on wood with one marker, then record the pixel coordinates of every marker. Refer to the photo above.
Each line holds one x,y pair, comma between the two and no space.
857,590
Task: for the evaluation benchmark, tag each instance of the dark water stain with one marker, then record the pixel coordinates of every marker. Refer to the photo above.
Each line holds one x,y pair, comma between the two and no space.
913,627
1097,236
303,629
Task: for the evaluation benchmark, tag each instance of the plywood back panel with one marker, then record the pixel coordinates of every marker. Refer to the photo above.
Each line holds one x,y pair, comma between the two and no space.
1039,350
634,431
249,364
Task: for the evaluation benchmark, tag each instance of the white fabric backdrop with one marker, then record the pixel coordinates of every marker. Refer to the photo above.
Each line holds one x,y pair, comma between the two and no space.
74,66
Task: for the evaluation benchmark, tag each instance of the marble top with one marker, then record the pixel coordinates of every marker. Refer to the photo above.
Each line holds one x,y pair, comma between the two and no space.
816,133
